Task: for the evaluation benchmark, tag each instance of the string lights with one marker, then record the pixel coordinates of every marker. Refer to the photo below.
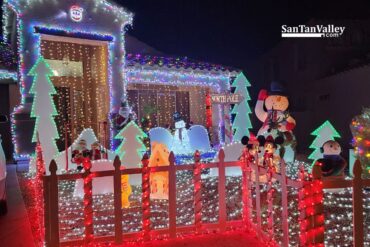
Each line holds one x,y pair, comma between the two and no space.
361,139
31,34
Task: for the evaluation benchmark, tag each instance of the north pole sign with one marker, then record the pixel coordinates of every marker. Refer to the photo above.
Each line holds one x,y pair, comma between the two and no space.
226,98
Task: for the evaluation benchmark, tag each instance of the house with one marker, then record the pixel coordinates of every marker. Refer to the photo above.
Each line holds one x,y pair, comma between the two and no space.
84,42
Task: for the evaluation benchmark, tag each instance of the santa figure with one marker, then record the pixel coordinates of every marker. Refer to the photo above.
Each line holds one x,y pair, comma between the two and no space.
80,153
96,152
125,114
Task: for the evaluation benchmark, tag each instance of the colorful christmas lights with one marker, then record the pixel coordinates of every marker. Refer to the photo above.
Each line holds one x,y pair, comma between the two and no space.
29,43
360,128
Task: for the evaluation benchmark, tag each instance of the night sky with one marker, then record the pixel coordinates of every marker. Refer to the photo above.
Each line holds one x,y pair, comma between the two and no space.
228,32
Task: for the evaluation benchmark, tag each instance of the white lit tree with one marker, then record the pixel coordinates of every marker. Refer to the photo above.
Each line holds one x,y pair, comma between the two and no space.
242,122
323,134
43,109
132,148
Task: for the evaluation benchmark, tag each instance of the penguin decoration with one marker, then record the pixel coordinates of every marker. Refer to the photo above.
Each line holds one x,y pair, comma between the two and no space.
332,164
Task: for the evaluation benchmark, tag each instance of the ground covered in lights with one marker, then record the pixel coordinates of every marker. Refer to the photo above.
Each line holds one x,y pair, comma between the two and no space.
338,211
229,239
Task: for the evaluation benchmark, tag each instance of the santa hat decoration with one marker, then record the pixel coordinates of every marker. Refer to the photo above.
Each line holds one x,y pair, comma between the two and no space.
82,142
276,88
253,139
270,139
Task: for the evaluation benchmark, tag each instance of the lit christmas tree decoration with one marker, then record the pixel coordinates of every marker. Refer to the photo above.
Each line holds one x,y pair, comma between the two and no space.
323,133
131,149
43,109
242,122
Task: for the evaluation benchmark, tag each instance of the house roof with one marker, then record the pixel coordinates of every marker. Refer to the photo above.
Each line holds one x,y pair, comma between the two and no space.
144,60
108,6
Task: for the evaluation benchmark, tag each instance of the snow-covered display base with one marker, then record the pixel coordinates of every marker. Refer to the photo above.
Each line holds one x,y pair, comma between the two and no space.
232,153
190,140
101,185
89,136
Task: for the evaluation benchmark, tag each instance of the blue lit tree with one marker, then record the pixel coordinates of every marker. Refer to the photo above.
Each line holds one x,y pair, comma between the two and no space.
242,122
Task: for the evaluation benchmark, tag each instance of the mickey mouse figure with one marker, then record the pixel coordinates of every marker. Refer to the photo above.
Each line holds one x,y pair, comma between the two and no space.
251,149
332,164
270,146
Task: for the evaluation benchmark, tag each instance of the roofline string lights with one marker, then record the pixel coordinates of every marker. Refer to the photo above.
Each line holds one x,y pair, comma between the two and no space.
9,5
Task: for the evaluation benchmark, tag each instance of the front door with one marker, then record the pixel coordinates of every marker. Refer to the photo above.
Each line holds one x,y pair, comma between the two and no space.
81,80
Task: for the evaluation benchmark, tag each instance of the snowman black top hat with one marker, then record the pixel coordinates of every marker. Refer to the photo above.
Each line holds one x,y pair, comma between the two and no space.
177,116
276,88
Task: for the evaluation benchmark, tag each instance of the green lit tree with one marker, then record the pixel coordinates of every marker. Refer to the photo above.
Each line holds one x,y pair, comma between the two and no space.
323,134
132,148
242,122
43,109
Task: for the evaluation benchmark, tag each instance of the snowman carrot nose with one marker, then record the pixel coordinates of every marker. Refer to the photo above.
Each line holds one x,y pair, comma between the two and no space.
278,99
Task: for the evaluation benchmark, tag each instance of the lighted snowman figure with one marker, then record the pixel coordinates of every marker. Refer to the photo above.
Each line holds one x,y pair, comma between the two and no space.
332,164
180,141
276,119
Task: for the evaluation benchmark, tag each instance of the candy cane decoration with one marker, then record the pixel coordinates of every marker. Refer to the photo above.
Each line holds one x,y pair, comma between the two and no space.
197,192
245,188
88,210
38,187
146,197
270,193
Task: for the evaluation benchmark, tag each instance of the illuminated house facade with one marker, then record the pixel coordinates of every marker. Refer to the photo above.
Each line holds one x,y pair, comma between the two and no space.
84,43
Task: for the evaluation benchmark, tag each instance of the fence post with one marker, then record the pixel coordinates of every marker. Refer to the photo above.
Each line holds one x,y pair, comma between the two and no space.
172,196
245,187
270,202
53,204
46,186
39,189
88,210
311,209
197,192
258,197
357,205
222,190
284,202
146,197
117,201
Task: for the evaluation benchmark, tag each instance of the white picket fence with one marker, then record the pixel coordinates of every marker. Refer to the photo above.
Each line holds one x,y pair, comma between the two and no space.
308,188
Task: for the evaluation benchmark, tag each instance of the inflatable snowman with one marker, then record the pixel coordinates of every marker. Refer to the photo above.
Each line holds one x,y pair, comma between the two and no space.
272,110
